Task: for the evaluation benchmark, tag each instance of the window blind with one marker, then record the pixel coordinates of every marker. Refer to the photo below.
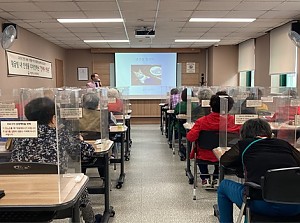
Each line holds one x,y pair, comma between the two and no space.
246,56
282,51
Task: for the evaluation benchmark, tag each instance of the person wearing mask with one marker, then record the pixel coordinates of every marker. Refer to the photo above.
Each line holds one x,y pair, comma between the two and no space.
96,82
256,153
211,122
43,149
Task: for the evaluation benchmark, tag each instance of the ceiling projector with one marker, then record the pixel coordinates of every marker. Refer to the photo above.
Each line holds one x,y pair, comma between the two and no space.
144,33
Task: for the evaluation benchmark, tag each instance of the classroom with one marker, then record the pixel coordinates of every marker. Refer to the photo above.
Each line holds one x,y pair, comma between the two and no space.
105,106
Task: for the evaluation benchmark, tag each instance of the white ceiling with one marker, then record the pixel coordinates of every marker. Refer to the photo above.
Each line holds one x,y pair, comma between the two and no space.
39,17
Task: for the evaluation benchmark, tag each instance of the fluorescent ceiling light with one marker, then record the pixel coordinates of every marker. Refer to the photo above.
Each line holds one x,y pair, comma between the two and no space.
107,41
222,19
89,20
197,40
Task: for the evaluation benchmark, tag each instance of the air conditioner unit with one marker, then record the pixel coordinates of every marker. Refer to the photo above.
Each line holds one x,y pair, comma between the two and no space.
144,33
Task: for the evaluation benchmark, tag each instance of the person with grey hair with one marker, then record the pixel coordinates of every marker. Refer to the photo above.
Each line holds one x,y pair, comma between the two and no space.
200,111
115,104
90,120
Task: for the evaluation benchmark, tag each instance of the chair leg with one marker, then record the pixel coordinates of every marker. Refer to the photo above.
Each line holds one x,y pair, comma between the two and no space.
248,216
195,174
239,219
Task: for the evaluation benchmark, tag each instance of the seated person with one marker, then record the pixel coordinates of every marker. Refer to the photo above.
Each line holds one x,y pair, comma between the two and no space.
263,109
43,149
210,122
199,111
115,104
174,98
256,152
90,121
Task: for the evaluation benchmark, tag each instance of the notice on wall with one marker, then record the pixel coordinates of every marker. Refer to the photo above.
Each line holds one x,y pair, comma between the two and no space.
19,129
19,64
240,119
191,67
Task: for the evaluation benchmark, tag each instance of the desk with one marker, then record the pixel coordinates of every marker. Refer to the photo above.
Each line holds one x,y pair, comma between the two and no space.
102,150
40,192
121,130
188,171
128,137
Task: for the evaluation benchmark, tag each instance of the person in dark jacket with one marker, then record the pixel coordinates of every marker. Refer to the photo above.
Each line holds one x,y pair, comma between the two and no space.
256,152
43,149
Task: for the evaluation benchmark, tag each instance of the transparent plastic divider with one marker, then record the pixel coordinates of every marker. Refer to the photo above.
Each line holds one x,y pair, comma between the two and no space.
68,142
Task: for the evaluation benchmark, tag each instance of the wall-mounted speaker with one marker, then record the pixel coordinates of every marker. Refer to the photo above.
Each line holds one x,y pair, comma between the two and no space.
4,25
296,26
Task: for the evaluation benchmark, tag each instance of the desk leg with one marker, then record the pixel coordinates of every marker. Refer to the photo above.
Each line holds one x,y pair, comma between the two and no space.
122,174
167,122
179,134
127,151
188,163
76,212
221,177
108,211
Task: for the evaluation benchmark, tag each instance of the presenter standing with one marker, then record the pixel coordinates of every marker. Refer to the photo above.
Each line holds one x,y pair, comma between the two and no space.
96,82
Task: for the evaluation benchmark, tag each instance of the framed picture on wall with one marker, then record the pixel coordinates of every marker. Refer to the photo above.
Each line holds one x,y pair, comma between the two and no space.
83,73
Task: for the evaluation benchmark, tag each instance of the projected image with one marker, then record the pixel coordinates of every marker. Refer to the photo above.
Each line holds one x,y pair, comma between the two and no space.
146,74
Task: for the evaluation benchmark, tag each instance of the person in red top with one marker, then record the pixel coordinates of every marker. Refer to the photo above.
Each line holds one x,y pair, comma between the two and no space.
211,122
115,104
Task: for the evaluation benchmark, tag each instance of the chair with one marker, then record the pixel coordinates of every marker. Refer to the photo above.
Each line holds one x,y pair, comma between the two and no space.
277,186
27,168
209,140
206,140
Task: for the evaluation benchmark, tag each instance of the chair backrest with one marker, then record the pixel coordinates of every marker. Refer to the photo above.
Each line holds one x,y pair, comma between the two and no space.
27,168
282,185
210,139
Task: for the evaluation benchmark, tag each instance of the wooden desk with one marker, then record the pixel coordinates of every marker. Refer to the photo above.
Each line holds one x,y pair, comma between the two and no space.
121,130
40,192
102,150
128,134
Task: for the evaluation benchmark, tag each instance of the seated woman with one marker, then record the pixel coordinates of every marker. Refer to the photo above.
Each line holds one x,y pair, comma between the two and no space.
200,111
256,152
43,149
90,121
115,104
210,122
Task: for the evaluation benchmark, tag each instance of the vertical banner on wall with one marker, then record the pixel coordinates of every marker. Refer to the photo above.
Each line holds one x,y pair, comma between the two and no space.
19,64
191,67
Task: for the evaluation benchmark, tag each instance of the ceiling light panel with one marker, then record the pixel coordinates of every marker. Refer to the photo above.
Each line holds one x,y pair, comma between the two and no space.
89,20
222,20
